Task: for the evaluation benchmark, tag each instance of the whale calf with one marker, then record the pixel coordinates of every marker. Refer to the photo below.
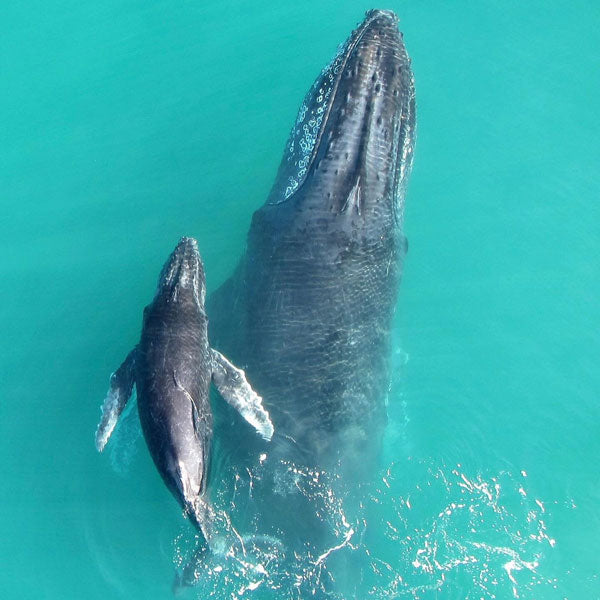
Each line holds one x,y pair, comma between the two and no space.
309,308
172,367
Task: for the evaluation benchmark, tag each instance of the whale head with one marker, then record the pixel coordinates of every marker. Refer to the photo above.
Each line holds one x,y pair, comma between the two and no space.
350,150
182,278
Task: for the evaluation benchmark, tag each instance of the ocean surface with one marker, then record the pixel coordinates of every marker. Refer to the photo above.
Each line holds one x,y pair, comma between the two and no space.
126,124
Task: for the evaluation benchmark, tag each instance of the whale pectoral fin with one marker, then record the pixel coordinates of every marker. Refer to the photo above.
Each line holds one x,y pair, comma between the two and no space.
235,389
119,392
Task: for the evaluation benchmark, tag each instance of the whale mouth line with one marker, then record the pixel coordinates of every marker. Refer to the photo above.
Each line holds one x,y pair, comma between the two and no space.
350,150
358,34
314,118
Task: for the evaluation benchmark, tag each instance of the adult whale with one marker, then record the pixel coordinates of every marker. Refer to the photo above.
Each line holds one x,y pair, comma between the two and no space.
309,308
308,313
172,367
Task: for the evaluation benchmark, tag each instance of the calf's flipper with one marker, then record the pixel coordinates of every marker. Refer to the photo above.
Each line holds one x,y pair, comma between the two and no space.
119,392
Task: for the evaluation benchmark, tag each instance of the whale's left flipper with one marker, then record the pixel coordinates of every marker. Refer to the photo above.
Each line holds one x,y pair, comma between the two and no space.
235,389
119,392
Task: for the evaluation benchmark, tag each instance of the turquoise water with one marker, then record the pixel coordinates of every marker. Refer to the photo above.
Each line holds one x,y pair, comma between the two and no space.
124,125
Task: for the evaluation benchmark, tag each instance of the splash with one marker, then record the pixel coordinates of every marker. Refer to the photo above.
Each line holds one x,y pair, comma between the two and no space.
421,530
483,537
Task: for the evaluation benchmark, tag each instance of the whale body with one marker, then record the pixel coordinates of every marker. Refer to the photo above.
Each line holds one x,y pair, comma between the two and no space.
309,308
172,367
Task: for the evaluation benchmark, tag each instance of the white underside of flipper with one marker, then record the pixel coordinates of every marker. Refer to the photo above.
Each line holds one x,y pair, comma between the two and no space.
119,392
110,415
235,389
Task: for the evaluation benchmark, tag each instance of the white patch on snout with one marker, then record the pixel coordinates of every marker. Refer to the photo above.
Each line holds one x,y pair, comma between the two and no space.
184,279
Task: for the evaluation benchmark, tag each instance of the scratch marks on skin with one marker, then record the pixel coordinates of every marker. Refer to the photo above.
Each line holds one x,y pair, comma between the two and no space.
388,266
182,389
354,198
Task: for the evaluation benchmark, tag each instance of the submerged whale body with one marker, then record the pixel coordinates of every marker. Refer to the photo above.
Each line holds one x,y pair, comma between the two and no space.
172,367
309,308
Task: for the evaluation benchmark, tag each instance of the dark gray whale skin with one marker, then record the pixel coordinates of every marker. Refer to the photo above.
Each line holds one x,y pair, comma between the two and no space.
172,368
309,309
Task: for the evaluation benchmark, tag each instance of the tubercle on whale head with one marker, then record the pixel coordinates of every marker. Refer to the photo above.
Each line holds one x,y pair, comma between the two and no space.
352,142
182,277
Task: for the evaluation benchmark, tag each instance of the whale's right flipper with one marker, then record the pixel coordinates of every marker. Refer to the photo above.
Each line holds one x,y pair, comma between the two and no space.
235,389
119,392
